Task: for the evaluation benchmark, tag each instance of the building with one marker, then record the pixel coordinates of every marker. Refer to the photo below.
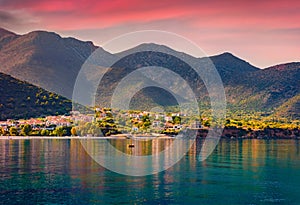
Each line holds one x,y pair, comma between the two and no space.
196,125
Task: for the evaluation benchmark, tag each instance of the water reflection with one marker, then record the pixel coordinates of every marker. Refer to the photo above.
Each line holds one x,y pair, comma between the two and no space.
29,154
55,171
137,160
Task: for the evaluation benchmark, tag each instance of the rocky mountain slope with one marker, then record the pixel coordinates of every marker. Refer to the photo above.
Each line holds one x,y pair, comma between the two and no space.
51,62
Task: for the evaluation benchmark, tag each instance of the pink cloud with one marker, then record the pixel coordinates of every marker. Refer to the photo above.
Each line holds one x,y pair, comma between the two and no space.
247,27
78,14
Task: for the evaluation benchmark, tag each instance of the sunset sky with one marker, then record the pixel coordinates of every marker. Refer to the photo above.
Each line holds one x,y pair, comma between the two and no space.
262,32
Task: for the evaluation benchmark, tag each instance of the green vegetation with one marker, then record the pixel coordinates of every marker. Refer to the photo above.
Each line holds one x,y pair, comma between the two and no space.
26,130
59,131
22,100
260,121
289,109
45,132
13,131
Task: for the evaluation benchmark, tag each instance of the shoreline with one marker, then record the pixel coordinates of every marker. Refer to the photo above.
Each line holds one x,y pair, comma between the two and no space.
231,133
56,137
118,136
123,137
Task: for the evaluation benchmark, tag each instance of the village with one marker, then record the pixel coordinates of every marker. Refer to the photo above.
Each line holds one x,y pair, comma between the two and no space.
112,121
108,122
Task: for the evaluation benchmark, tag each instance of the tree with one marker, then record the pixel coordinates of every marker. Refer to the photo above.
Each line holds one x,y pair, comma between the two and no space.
206,123
145,118
60,131
13,131
2,131
145,122
176,120
73,131
45,132
26,130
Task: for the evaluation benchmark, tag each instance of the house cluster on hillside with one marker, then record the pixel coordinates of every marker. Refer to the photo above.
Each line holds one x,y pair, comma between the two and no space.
159,121
76,116
154,121
48,123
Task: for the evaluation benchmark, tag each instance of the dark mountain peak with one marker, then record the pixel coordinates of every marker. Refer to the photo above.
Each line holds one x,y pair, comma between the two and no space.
34,38
157,48
54,43
227,56
42,33
152,46
230,62
52,38
38,36
146,47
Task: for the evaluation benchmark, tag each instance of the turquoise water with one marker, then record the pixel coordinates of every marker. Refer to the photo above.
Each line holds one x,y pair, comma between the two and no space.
52,171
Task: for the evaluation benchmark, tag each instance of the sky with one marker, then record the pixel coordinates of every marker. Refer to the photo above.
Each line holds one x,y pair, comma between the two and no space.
263,33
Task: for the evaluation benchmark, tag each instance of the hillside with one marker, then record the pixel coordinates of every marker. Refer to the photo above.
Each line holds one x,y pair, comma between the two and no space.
265,89
47,60
44,59
247,88
289,109
230,68
22,100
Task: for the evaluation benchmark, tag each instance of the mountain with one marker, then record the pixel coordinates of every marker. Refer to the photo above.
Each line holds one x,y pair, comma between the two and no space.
247,87
47,60
44,59
23,100
264,89
228,66
225,63
280,82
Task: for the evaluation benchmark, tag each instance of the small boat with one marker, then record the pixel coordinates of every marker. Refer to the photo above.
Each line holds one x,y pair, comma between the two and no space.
131,146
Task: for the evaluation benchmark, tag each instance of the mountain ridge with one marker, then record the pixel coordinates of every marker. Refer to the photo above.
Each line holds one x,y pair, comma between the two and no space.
4,32
50,61
44,59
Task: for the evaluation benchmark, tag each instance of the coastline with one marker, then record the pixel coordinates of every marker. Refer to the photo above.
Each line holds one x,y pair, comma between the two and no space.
140,138
118,136
232,133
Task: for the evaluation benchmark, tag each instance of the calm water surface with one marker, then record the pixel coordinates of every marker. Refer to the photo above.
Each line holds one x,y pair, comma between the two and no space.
58,171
